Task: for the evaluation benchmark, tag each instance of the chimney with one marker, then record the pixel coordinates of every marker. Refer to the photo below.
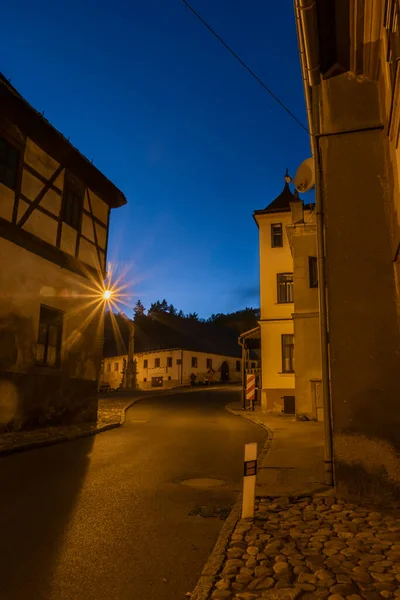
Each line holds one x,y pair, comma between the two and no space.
297,209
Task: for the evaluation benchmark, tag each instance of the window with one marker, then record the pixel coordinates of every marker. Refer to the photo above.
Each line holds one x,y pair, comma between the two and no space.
156,382
288,353
145,363
48,348
276,235
285,287
253,365
144,379
237,366
313,271
72,205
178,361
109,368
116,366
156,363
169,361
194,362
169,377
9,163
209,363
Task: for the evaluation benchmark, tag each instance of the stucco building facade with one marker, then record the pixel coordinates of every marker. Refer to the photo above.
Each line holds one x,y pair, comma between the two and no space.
54,215
170,368
350,55
289,323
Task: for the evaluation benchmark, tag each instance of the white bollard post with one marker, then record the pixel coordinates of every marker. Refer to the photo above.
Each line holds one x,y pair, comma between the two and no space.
249,480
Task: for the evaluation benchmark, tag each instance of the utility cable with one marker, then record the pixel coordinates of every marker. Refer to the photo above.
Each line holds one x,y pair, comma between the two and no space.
266,88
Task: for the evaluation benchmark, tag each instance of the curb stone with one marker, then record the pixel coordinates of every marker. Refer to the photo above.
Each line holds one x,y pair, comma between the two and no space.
217,556
216,559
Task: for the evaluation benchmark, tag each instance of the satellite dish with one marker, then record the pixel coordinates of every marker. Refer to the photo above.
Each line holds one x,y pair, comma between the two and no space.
305,176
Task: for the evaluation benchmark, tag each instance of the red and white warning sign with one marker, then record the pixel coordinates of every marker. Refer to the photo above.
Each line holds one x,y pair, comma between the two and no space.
250,387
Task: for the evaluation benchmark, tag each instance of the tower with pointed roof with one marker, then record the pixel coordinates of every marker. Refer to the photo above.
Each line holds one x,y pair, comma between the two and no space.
285,214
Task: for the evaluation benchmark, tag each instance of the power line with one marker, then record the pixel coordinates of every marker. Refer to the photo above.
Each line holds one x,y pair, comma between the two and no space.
266,88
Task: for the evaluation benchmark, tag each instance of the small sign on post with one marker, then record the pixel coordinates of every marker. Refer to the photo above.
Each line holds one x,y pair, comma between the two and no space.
249,480
250,388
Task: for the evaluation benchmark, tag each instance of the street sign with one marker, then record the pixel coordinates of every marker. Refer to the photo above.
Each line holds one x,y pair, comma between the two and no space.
250,387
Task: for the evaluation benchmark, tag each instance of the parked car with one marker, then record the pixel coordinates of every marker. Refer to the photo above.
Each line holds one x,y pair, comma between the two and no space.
105,387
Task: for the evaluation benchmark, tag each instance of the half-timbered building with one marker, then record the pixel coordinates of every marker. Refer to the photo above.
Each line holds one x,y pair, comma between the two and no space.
54,216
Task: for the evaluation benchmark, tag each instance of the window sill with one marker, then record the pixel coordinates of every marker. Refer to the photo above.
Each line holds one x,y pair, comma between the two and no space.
286,372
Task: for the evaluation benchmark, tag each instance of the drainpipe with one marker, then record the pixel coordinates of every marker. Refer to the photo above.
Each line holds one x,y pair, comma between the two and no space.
306,18
243,365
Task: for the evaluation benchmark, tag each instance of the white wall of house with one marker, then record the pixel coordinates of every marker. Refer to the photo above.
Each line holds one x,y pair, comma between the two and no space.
172,368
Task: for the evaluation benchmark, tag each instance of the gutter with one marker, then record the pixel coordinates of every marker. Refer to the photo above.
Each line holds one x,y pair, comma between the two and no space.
306,24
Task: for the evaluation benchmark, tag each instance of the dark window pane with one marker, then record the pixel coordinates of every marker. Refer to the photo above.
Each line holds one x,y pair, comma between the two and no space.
72,206
276,235
313,271
48,347
9,161
287,353
285,287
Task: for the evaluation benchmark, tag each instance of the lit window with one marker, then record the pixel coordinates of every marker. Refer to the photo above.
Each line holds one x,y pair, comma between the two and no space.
313,271
157,363
48,347
285,287
276,235
9,163
209,363
194,362
288,353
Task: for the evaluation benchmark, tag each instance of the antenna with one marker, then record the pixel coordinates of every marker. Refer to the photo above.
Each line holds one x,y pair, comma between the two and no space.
305,176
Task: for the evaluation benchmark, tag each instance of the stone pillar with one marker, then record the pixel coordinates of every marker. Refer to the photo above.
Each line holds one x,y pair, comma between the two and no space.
362,317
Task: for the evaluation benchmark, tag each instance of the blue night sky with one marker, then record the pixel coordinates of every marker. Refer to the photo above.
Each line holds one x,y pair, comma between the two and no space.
176,123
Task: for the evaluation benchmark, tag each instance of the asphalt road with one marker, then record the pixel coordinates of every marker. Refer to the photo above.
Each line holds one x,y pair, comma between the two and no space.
107,518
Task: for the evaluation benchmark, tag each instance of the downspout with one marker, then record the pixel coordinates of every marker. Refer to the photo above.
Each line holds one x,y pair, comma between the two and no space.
306,19
243,369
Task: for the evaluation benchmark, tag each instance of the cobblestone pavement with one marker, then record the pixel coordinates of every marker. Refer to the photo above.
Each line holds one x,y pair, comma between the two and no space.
312,548
109,415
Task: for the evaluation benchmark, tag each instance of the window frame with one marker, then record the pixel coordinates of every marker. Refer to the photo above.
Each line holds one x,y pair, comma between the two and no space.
54,318
77,190
313,272
291,357
274,235
289,289
15,149
194,362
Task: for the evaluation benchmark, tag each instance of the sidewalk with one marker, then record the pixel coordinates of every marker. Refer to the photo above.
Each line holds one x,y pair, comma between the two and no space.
294,461
303,544
110,414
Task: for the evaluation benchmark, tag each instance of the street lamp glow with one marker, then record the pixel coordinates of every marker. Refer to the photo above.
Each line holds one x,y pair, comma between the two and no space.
107,294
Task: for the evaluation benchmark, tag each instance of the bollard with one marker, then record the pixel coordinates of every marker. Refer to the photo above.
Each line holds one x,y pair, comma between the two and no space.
249,480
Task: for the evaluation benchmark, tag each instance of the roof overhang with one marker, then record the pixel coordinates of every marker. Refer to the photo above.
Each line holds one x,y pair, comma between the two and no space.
17,110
